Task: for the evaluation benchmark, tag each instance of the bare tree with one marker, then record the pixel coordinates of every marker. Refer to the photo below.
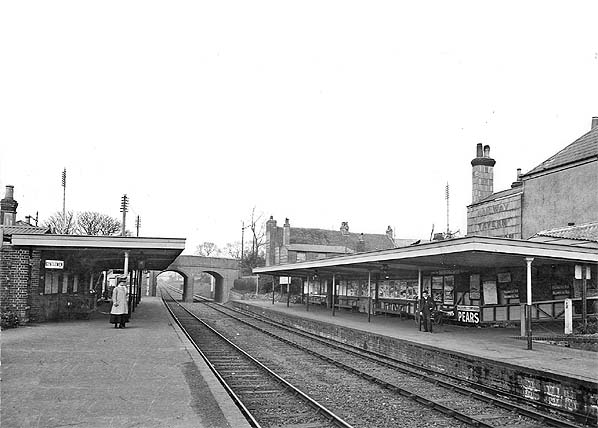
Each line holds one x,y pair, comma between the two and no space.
233,249
94,223
258,231
62,224
207,249
255,257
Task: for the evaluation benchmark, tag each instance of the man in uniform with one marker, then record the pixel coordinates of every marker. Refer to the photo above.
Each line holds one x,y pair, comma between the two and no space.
426,308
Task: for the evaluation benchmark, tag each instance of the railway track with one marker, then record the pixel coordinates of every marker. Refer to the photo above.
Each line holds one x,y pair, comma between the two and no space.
539,411
263,397
368,389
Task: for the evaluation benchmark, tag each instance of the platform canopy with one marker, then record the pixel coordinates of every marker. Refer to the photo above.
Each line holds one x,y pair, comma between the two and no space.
467,253
105,252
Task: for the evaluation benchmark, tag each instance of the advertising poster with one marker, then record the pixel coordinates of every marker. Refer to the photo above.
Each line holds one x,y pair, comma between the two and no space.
474,286
490,297
449,290
437,287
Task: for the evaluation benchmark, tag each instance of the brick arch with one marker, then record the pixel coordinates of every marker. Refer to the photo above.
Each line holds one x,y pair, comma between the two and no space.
186,280
224,270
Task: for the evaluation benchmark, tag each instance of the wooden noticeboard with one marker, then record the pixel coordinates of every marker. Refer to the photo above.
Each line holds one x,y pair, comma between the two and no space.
490,297
474,286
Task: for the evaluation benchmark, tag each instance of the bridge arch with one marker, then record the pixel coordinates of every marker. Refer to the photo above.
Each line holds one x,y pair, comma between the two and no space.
223,270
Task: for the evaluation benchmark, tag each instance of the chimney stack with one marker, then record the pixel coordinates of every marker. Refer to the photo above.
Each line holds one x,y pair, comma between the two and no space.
360,247
482,175
344,228
517,181
8,208
271,241
286,232
594,122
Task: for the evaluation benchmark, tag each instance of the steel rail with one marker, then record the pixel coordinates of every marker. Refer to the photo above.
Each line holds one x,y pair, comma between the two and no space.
223,382
396,364
494,396
331,416
447,411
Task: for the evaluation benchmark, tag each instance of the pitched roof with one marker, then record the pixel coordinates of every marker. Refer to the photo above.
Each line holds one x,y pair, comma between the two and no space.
585,147
23,229
501,194
580,235
336,238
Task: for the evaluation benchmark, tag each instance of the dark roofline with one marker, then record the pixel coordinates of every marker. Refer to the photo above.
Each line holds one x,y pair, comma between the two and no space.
584,139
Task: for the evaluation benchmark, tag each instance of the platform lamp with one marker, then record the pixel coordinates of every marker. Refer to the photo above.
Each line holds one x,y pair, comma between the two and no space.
385,271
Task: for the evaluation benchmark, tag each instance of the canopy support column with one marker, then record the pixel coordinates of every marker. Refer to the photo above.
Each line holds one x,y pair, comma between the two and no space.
369,296
333,293
528,309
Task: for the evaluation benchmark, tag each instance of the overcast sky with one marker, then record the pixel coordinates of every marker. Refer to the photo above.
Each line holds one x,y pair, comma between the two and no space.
320,111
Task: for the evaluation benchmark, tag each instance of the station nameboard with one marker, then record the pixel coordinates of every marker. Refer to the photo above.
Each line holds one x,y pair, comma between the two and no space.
54,264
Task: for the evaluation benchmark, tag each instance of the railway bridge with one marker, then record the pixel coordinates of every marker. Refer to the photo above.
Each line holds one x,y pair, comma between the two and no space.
224,271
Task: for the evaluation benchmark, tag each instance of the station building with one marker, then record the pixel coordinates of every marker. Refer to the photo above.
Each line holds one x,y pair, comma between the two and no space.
558,192
46,277
288,244
536,243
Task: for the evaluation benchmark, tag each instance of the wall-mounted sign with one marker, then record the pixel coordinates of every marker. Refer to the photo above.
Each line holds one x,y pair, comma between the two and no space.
54,264
579,272
511,293
474,286
468,314
504,277
560,289
490,297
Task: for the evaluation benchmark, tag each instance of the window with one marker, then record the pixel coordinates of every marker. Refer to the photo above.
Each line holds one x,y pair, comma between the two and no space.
51,282
60,282
301,257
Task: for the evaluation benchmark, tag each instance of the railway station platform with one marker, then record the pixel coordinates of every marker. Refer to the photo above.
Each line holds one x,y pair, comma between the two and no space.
87,373
497,344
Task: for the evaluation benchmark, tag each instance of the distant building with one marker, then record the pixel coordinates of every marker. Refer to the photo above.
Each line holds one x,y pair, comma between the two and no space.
559,192
288,244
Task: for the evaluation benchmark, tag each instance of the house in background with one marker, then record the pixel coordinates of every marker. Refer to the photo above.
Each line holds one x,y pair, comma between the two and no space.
559,192
288,244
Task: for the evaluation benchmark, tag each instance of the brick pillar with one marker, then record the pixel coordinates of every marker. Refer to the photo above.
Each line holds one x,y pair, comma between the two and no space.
15,271
35,260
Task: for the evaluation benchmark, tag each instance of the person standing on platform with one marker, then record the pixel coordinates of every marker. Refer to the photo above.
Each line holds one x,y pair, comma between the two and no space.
426,308
120,304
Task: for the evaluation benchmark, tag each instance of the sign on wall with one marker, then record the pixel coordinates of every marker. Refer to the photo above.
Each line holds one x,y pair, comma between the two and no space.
474,286
468,314
54,264
490,296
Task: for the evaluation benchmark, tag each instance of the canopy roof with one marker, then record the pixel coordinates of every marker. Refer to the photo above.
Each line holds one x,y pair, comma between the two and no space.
468,253
106,252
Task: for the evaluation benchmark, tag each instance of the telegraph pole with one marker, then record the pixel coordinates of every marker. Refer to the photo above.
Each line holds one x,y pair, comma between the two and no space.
448,230
242,239
137,224
124,207
64,196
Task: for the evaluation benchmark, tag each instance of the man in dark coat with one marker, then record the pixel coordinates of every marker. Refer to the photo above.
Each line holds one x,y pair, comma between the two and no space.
426,308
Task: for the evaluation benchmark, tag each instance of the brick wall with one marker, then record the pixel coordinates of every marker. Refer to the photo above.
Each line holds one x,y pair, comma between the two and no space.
536,385
16,281
482,177
500,218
